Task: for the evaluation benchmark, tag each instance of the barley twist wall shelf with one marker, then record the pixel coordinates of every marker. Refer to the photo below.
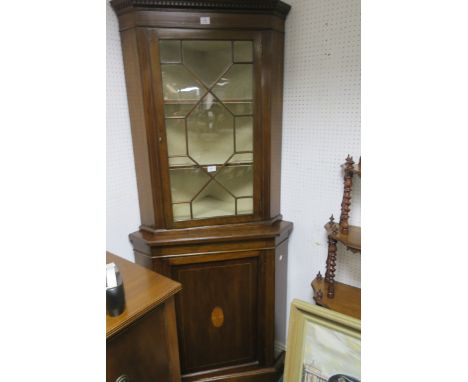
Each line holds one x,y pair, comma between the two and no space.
337,296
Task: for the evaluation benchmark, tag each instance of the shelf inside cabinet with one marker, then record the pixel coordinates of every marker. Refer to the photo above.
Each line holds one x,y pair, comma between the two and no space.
352,240
212,207
200,194
196,100
347,298
217,165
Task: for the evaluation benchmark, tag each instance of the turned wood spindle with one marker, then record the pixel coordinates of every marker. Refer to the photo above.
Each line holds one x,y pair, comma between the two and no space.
331,267
346,203
331,224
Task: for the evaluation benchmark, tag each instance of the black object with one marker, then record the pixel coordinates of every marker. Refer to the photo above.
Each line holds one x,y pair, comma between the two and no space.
342,378
115,298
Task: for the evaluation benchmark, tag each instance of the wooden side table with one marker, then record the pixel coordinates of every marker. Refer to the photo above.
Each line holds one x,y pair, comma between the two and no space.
142,342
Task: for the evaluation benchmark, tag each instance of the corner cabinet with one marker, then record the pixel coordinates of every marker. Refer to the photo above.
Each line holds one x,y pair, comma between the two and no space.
204,85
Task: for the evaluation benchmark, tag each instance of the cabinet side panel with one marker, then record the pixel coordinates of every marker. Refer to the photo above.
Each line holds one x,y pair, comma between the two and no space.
277,48
281,298
266,121
137,117
266,307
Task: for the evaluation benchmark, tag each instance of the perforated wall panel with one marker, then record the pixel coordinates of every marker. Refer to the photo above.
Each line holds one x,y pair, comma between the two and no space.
123,215
321,125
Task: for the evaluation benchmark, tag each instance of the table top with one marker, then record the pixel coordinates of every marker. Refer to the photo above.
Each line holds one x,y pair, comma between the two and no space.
144,290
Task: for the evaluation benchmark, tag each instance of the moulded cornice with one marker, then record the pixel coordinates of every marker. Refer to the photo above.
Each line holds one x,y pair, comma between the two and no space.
275,6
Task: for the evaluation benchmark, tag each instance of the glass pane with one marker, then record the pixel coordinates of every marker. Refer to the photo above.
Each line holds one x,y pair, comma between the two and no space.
169,50
240,108
179,84
244,206
236,84
180,161
243,51
213,201
208,60
185,183
177,109
242,158
237,179
204,131
181,211
244,133
210,132
175,132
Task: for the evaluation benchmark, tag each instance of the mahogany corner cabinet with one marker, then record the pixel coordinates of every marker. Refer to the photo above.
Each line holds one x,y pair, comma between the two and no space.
205,93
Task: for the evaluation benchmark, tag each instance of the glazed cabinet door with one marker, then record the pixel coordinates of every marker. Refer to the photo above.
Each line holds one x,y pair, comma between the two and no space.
217,311
206,86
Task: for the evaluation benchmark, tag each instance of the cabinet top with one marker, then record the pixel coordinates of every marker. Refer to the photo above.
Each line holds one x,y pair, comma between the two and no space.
270,6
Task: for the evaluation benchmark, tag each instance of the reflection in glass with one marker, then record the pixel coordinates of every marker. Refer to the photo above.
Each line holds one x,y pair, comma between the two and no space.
213,201
244,133
236,84
244,206
243,51
179,84
169,51
237,179
186,182
210,132
175,132
240,108
177,109
181,211
207,59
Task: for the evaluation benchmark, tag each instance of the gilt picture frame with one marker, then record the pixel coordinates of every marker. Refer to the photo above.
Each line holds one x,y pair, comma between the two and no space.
322,345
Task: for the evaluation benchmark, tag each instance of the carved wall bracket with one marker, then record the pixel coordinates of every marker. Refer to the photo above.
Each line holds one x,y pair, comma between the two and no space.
348,235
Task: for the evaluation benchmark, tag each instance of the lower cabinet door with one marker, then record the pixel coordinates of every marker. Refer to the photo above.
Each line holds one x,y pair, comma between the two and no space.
217,312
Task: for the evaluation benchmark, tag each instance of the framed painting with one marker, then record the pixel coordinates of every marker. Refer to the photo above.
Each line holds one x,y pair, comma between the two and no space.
322,346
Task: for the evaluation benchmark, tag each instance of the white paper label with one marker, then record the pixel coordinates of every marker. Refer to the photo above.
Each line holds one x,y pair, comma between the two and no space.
211,168
111,278
205,20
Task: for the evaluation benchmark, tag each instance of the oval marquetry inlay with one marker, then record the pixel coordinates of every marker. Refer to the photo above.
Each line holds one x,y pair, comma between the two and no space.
217,317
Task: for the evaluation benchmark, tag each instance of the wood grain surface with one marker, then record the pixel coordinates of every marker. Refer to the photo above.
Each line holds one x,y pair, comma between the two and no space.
347,299
144,290
351,240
